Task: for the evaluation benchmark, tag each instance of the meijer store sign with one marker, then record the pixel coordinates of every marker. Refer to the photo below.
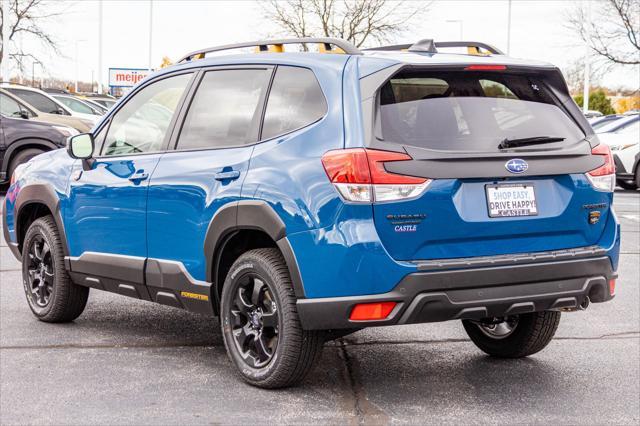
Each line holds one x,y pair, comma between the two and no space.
126,77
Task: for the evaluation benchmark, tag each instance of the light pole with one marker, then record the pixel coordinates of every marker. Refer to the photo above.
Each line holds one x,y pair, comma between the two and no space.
33,72
99,47
587,64
509,28
460,23
77,59
150,31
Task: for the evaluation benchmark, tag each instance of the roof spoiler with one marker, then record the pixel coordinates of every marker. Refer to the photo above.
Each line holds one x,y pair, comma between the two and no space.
430,46
326,44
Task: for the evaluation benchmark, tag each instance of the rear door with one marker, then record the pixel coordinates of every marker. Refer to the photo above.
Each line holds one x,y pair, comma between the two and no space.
213,145
484,198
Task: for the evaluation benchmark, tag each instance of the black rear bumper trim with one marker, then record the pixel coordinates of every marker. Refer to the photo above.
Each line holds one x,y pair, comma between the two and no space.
472,294
510,259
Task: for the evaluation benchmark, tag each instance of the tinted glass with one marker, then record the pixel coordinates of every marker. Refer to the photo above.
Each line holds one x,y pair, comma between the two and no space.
142,123
9,107
470,111
295,101
223,109
38,100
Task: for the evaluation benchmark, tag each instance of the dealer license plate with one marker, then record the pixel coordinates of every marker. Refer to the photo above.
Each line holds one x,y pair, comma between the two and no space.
507,200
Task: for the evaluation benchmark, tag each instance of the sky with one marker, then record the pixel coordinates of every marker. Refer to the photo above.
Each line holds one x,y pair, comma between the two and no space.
538,31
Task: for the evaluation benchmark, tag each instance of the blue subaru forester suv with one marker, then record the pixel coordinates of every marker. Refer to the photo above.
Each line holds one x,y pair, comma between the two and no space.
303,196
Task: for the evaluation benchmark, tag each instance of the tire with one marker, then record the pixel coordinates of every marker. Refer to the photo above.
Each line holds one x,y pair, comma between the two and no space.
22,157
627,184
532,333
638,176
50,293
255,281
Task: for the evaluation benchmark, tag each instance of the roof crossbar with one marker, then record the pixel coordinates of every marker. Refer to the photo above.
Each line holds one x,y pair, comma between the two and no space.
263,46
422,46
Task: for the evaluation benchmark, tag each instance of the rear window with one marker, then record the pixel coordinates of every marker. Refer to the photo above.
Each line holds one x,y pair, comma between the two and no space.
470,111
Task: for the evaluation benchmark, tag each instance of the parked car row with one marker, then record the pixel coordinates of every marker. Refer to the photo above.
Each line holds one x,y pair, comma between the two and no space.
622,134
33,121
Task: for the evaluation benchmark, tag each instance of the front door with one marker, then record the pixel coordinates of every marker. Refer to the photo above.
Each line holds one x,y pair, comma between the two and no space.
106,209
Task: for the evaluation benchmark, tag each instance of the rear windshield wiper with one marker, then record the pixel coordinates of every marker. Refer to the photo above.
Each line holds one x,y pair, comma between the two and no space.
536,140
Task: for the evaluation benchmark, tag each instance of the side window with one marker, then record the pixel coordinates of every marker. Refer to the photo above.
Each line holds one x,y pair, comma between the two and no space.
295,101
98,139
38,100
142,123
9,107
223,109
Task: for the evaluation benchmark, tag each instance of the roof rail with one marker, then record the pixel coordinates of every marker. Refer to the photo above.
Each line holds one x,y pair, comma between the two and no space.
325,43
424,46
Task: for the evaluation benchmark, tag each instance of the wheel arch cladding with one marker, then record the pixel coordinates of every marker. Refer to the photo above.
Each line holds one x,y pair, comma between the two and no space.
34,201
253,223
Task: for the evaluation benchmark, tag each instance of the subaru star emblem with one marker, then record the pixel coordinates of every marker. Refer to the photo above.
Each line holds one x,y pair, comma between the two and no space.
517,165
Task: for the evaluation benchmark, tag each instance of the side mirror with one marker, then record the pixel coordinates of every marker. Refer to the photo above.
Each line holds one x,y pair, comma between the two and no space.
80,146
60,111
24,114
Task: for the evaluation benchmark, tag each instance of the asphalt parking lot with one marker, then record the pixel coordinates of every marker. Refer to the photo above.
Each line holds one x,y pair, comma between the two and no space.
126,361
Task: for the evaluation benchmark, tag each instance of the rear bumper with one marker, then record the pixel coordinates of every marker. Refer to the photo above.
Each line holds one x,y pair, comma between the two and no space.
473,293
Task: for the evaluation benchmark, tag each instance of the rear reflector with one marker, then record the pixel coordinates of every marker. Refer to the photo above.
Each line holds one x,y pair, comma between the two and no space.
612,286
359,175
371,311
485,68
604,177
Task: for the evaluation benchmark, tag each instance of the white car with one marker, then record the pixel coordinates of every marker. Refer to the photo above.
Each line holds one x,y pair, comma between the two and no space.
45,103
77,105
623,137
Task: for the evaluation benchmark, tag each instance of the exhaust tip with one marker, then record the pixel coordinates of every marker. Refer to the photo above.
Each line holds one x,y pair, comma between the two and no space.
585,303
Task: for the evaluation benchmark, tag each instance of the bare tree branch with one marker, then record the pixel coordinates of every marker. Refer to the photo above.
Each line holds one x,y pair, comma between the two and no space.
357,21
24,20
613,34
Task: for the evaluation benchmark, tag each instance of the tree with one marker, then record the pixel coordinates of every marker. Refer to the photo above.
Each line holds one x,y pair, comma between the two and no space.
598,101
24,18
614,33
574,75
166,62
357,21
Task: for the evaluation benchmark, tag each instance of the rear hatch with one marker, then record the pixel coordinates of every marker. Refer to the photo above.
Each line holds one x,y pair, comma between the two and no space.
505,160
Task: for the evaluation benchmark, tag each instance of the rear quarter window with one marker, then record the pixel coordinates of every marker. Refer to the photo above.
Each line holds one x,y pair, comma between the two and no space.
295,101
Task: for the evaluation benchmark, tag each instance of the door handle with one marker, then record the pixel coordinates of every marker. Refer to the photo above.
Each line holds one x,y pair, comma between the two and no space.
138,176
233,174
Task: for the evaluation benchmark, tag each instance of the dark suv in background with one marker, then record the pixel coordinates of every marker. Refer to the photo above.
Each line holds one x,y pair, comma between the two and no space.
22,139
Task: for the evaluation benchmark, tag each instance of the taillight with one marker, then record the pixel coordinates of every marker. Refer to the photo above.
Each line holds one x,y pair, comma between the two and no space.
359,176
604,177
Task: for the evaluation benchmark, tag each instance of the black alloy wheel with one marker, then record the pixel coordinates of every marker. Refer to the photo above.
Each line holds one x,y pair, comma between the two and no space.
51,294
40,272
260,325
255,321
